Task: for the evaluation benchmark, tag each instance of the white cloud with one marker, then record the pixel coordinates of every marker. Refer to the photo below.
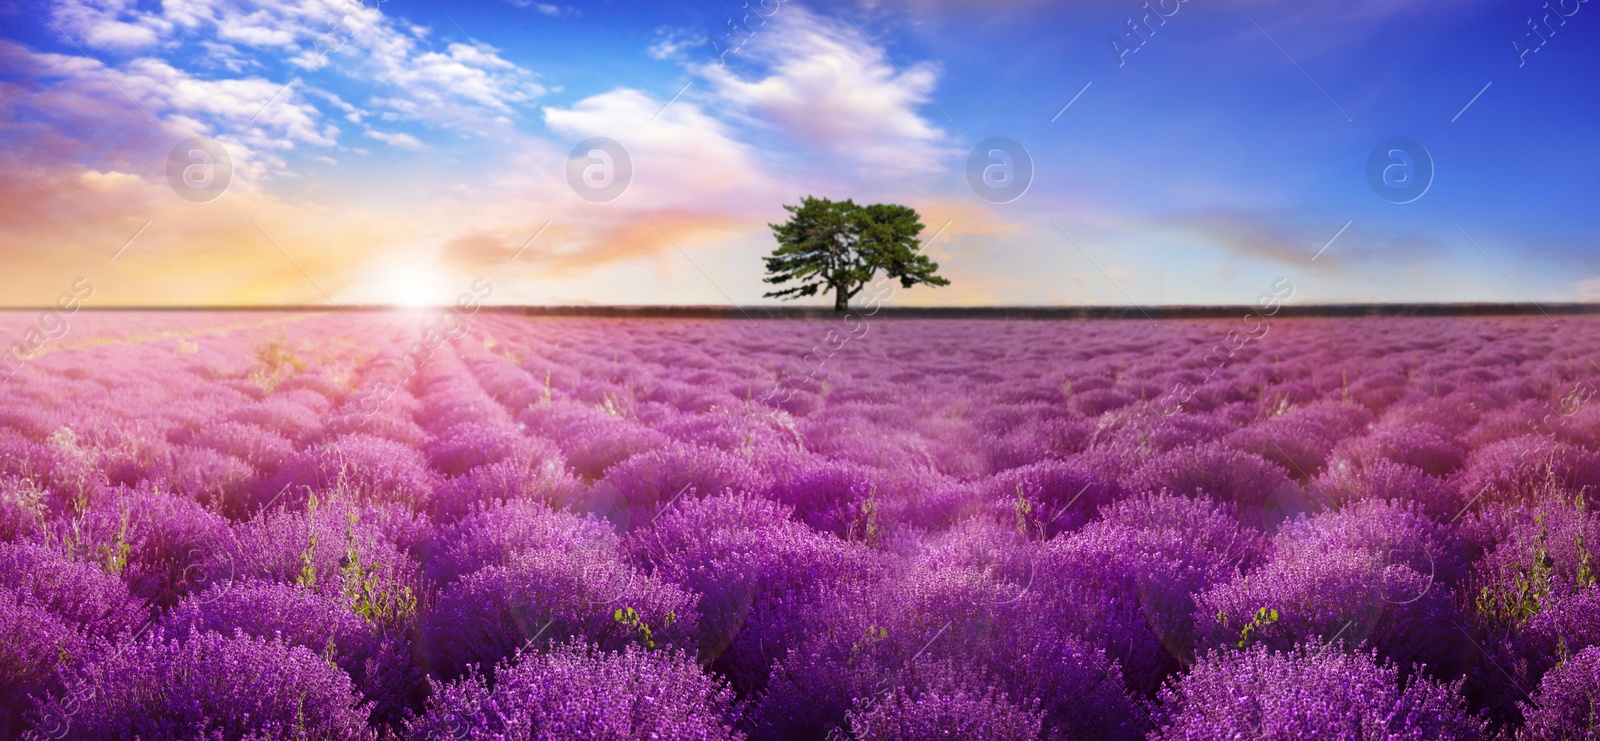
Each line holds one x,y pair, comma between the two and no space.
259,28
352,113
396,139
471,73
681,155
828,86
464,85
112,25
671,42
253,117
227,57
1587,289
250,104
554,11
693,183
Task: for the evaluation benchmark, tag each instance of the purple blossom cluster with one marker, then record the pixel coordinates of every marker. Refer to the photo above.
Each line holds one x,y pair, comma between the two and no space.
1309,692
597,528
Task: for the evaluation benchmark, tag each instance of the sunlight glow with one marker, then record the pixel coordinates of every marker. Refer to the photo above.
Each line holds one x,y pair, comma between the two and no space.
409,285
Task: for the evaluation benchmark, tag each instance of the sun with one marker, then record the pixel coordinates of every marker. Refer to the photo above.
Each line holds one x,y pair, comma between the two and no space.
411,285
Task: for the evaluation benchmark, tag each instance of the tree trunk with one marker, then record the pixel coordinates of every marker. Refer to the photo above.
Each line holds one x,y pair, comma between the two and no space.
841,298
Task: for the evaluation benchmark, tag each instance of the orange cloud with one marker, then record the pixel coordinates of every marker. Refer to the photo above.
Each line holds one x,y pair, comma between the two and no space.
1265,236
564,250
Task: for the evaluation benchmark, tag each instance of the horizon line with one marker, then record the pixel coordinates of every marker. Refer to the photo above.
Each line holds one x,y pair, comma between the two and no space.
712,311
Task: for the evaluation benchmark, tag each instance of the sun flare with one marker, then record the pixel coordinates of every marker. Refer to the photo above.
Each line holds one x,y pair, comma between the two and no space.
410,285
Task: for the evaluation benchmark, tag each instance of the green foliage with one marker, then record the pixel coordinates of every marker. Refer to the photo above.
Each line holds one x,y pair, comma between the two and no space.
330,653
840,246
112,558
874,634
1585,571
630,617
1513,600
308,565
277,362
116,554
1264,617
369,594
866,523
1022,507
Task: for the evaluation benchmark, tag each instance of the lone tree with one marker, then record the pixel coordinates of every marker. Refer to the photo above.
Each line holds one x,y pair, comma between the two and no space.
841,246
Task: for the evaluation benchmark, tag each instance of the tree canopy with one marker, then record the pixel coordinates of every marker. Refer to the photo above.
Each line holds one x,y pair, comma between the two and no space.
840,245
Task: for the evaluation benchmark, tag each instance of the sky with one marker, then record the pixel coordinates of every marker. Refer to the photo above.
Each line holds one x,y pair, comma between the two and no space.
227,152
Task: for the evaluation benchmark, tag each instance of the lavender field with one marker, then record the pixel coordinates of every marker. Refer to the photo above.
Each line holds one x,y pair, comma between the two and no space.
253,525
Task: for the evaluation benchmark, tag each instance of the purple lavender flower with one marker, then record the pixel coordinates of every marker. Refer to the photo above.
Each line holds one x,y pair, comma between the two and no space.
945,702
1373,572
1308,693
544,596
34,643
207,686
496,535
367,468
1567,703
580,692
755,570
79,593
377,659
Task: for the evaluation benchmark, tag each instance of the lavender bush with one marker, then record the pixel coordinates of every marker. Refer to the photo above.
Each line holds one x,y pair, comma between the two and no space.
580,692
1308,693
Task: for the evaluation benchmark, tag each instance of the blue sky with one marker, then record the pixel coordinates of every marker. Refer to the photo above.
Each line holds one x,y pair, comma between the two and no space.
396,151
